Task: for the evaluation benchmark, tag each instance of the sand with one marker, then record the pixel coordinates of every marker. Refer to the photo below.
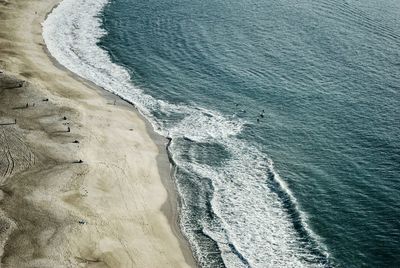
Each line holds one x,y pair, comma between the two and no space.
117,208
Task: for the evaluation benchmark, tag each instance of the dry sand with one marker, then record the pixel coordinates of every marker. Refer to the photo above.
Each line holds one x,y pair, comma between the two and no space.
126,208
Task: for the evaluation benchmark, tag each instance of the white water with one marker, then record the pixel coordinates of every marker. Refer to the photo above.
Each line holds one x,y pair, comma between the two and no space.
251,217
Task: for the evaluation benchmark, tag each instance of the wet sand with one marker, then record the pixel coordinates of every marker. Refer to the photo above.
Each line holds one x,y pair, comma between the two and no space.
83,181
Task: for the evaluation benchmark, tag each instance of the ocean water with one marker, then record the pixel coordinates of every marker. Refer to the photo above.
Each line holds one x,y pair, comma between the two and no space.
284,118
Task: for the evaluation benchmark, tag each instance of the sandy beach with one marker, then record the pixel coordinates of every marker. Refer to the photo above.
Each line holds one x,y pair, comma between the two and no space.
84,181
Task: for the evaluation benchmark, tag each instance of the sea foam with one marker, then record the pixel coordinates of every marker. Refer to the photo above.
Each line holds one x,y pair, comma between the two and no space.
252,225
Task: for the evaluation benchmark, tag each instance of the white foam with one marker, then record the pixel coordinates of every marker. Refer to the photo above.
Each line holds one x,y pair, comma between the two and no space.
71,33
202,125
251,216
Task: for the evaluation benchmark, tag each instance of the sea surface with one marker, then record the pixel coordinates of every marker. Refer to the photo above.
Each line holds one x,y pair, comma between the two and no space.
284,117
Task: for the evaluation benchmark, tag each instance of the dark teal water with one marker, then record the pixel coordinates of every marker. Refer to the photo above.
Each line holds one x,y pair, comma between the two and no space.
315,180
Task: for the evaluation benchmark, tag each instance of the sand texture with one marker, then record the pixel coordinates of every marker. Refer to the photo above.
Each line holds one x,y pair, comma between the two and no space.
112,208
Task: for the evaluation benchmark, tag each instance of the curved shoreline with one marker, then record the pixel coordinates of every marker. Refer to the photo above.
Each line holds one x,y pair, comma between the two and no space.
29,70
64,30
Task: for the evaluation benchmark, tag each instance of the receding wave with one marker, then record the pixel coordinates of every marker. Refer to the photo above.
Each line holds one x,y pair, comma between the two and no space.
244,215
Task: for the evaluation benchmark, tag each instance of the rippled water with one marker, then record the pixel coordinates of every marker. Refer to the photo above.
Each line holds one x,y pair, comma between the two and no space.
284,118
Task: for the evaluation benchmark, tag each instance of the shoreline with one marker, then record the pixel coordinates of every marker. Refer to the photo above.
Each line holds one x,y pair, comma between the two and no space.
169,207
